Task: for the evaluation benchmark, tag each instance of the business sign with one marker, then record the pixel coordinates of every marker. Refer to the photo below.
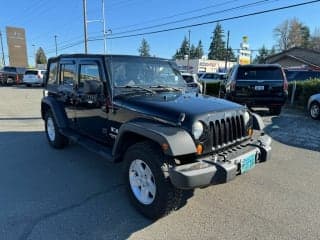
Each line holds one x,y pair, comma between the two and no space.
16,40
244,52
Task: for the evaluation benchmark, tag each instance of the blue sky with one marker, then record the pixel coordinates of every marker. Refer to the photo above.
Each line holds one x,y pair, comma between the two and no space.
44,19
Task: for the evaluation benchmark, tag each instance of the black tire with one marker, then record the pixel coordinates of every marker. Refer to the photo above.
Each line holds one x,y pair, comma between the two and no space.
58,141
28,85
167,198
275,110
314,114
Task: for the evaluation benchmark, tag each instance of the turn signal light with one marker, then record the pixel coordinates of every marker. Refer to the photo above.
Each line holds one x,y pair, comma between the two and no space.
199,149
250,132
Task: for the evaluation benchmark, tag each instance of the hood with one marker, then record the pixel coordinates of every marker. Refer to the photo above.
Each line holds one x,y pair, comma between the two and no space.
170,106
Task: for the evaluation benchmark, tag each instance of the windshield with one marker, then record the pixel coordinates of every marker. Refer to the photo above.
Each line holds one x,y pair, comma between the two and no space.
144,72
9,69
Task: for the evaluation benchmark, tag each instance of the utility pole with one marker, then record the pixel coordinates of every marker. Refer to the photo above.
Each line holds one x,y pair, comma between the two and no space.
85,22
189,51
227,53
104,29
34,54
55,42
3,59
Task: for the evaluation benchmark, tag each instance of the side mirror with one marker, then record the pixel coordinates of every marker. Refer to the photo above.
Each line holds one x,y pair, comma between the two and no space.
92,87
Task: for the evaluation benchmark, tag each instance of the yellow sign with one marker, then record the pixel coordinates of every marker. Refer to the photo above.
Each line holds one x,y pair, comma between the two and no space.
244,60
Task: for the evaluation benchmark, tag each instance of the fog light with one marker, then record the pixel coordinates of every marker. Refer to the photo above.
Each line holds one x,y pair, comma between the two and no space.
199,149
250,132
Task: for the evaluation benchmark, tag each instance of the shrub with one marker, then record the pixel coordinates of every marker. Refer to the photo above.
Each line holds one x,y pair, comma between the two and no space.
304,89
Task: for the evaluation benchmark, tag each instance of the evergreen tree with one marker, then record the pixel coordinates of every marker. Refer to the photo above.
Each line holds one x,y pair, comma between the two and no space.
217,46
41,56
263,53
144,49
231,55
183,50
193,52
199,50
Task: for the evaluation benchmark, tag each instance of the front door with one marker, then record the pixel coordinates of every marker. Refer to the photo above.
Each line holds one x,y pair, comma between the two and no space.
91,114
66,89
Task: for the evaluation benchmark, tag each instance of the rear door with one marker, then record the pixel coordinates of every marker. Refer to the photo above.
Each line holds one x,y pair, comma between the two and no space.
259,81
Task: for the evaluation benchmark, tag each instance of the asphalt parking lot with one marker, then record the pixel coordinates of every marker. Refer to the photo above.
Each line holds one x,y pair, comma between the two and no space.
74,194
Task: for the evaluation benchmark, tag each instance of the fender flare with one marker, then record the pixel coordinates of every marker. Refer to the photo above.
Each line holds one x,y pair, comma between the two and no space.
178,141
57,110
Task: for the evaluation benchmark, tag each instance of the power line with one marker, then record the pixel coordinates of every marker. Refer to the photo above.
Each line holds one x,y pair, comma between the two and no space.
217,20
176,15
197,24
195,17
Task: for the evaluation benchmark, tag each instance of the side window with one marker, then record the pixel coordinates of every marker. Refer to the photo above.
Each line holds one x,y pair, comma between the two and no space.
209,76
88,72
52,79
68,75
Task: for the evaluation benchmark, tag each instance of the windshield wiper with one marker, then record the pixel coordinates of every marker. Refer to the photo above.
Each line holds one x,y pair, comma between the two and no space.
166,87
136,87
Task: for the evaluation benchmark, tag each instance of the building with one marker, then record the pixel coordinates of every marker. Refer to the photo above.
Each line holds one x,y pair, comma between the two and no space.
297,57
203,65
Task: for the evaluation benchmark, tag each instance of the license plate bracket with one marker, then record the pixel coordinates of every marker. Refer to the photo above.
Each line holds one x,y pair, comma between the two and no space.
248,163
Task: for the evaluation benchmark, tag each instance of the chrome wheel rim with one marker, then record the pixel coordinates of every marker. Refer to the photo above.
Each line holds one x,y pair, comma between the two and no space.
142,182
50,129
315,110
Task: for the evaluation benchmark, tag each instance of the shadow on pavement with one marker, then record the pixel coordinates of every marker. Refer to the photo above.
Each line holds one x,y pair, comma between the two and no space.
295,129
61,194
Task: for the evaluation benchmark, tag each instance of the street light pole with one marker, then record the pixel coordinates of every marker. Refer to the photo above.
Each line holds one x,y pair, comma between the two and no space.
227,53
3,59
34,54
189,52
85,26
55,42
104,29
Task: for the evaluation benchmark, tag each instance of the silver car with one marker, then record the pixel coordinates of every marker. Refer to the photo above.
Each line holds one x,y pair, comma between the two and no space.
33,77
314,106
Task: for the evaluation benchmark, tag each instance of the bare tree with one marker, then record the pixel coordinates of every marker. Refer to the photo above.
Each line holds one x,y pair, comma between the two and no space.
281,33
292,33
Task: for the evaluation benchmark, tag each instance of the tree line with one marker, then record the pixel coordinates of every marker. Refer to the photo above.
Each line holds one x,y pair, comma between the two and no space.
288,34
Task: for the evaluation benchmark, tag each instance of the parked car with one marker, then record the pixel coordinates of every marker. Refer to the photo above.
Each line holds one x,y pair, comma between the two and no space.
192,81
301,75
257,85
136,110
314,106
33,77
11,75
212,77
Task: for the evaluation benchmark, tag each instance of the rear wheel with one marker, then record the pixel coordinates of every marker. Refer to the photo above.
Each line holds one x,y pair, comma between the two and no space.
147,181
275,110
314,110
55,138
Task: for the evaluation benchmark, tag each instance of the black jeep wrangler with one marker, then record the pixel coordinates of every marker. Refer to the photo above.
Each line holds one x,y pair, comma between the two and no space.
138,110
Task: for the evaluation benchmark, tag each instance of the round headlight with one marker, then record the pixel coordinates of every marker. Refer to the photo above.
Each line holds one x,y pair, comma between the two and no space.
246,118
197,129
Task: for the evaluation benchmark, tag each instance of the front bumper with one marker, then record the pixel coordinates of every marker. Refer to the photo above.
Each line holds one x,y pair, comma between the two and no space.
222,167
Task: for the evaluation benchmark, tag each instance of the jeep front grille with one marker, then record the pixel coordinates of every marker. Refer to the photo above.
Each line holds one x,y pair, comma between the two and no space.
228,131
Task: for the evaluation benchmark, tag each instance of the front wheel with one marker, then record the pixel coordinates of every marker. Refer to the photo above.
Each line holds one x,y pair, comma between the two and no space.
314,110
55,138
147,181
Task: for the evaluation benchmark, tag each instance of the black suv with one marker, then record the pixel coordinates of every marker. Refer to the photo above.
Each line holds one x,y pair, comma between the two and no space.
257,85
138,110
